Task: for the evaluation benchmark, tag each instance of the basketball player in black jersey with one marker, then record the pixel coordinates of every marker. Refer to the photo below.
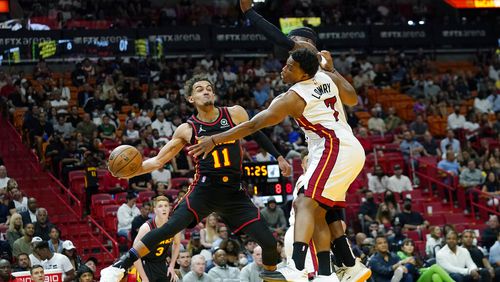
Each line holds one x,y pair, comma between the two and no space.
216,186
153,267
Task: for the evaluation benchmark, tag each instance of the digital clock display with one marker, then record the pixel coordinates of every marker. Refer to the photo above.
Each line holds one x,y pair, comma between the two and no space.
265,178
262,170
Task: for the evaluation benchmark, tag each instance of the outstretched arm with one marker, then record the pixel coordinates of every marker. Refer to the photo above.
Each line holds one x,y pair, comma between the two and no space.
282,106
180,138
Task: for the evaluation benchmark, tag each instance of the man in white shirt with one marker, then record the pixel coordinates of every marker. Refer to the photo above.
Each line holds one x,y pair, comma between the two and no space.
126,213
3,177
53,261
162,175
399,182
165,128
455,119
197,273
456,260
57,102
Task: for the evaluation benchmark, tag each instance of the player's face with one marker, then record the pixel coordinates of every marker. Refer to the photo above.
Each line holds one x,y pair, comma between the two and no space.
162,209
203,94
291,72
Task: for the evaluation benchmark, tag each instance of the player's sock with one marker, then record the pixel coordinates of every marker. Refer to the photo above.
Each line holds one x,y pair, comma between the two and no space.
299,254
127,260
324,266
342,249
337,260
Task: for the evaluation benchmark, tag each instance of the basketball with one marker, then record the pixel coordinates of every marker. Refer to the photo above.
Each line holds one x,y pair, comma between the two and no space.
124,161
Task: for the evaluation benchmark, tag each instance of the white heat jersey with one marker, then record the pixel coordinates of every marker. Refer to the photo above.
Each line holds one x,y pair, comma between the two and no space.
335,155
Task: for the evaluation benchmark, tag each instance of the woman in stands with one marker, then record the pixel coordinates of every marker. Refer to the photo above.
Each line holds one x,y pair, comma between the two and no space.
415,265
433,240
153,267
16,229
209,233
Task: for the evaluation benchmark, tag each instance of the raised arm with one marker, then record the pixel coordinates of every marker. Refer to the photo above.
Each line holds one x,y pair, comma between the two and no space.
286,104
181,137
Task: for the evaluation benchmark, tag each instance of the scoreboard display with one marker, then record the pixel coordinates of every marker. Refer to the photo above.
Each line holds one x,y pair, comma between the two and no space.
478,4
266,178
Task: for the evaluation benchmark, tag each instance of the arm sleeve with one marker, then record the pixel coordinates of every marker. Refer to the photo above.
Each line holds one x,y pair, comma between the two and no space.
265,143
244,275
269,30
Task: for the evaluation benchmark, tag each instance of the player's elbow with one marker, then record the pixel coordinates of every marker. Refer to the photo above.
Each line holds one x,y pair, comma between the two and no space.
351,99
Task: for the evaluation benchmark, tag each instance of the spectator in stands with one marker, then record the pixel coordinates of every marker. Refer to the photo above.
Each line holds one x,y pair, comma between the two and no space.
16,229
87,128
55,242
250,273
92,263
184,262
131,135
450,166
140,219
455,119
386,266
419,127
3,179
410,147
37,273
489,234
29,216
23,244
398,182
194,245
368,210
450,140
209,233
384,218
376,124
470,178
197,273
431,147
40,132
58,103
434,241
482,104
494,256
65,129
392,121
23,263
274,216
411,220
56,261
249,246
491,186
74,118
165,128
221,271
6,271
392,204
162,175
35,256
232,248
69,250
84,274
126,213
264,156
378,181
223,233
158,141
86,98
42,224
456,260
106,130
486,271
19,203
143,182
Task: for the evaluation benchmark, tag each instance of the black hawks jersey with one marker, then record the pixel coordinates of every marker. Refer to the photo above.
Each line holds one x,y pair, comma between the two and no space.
159,253
225,159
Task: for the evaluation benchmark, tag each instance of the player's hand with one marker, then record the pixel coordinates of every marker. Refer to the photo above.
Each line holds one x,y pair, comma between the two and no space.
245,5
204,146
326,61
285,167
173,275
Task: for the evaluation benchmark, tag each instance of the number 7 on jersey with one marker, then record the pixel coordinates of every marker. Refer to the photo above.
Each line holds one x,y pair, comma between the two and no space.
330,102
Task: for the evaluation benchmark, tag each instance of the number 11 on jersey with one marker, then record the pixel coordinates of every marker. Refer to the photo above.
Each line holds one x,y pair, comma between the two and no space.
225,156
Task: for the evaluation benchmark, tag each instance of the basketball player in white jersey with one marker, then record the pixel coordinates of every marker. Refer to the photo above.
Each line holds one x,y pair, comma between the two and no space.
336,156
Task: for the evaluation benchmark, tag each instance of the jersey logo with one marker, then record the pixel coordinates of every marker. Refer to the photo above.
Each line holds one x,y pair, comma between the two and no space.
201,129
224,123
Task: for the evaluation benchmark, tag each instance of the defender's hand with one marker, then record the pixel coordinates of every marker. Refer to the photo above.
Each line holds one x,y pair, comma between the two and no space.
285,167
204,146
326,61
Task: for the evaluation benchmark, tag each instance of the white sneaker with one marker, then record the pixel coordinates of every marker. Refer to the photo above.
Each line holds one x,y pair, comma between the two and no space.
398,275
288,273
357,273
322,278
340,271
112,274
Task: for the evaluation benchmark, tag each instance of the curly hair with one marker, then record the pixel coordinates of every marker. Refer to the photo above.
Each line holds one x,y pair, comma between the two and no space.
307,60
188,87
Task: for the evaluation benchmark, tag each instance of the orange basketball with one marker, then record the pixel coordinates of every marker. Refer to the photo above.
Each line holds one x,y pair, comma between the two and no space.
124,161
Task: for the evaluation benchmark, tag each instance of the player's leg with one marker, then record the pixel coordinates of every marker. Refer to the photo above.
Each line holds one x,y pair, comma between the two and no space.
321,239
305,218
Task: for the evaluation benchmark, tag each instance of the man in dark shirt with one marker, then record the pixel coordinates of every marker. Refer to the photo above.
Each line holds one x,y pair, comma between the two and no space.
141,182
486,271
42,225
489,235
139,220
409,219
387,266
368,210
23,262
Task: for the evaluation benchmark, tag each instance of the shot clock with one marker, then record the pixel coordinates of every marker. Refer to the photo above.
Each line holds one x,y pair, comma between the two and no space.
266,178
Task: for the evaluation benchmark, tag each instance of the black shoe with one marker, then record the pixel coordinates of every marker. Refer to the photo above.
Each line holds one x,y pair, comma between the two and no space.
125,262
